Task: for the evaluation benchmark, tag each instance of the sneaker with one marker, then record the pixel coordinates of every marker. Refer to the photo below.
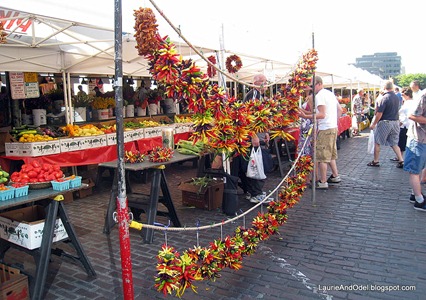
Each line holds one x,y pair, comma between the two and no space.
254,200
247,196
321,185
413,198
333,179
420,206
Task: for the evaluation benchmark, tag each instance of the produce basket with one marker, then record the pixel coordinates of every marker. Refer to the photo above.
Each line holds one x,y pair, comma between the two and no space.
61,185
7,194
21,191
75,182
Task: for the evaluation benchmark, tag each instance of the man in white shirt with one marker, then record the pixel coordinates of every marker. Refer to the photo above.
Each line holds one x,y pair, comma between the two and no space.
328,110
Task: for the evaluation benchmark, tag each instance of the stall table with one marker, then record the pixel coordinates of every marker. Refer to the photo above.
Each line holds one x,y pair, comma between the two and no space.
158,181
42,255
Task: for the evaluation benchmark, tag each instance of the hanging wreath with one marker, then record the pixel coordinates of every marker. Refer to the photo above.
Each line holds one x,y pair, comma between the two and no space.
211,71
233,63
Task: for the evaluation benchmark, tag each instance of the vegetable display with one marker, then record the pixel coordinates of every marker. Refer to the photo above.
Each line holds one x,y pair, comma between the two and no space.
4,176
35,172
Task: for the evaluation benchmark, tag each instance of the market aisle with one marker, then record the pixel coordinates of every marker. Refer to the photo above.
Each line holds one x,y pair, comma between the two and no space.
361,234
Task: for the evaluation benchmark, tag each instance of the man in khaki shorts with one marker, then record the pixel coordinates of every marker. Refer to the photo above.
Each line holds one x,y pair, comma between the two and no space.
328,110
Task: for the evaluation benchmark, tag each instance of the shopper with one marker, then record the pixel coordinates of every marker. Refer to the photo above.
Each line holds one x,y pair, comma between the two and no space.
328,110
386,125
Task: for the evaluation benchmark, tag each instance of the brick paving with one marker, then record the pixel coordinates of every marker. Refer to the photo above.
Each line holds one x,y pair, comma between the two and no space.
362,234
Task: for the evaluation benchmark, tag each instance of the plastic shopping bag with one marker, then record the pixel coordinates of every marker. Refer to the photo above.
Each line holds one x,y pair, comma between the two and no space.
370,148
255,165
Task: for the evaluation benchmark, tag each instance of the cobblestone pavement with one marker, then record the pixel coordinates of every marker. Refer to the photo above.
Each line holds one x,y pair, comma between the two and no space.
359,240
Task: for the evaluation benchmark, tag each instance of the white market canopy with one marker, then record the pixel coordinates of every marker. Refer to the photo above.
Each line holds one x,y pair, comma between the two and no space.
47,44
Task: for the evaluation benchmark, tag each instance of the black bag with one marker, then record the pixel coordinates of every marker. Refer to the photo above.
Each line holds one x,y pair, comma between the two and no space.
230,201
268,163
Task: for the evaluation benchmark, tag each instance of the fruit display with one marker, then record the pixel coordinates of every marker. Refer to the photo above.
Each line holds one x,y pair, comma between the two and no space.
25,134
85,130
183,119
4,176
133,157
190,147
35,172
4,187
109,128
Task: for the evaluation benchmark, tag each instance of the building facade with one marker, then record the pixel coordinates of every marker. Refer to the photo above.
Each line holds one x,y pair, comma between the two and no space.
386,64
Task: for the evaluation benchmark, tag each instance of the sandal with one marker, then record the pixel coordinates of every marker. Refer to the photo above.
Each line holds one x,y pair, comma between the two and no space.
400,164
373,164
394,159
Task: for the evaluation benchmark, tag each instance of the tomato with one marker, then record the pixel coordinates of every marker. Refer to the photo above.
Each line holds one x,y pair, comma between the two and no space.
32,174
56,167
51,177
37,170
47,167
24,176
33,180
41,179
59,174
35,164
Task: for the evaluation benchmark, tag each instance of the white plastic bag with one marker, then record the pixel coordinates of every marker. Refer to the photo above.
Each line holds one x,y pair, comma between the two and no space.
370,148
255,165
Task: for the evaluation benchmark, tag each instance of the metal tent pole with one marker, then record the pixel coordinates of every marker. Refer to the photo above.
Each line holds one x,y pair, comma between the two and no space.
314,133
122,207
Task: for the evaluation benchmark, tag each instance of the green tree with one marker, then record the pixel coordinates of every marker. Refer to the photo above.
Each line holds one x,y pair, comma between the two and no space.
404,80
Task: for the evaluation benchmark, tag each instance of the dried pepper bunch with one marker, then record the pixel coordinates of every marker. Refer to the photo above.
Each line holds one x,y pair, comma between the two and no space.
160,154
3,34
133,157
300,79
211,72
146,31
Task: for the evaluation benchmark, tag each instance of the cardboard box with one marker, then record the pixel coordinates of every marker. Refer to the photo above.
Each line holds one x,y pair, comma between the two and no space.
12,149
95,141
73,144
150,132
86,191
24,227
209,197
111,139
13,284
33,149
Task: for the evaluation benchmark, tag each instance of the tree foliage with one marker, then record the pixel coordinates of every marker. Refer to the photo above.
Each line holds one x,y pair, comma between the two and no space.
404,80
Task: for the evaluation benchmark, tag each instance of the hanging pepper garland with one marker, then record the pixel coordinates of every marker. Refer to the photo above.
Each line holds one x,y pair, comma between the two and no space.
177,272
233,63
224,124
214,113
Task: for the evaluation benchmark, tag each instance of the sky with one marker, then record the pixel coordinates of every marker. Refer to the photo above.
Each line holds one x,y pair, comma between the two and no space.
282,30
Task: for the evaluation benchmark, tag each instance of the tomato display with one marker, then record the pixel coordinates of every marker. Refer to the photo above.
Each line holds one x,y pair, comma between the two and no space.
37,172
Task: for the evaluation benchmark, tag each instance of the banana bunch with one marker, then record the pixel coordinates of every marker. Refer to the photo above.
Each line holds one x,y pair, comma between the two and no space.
133,157
4,176
191,148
